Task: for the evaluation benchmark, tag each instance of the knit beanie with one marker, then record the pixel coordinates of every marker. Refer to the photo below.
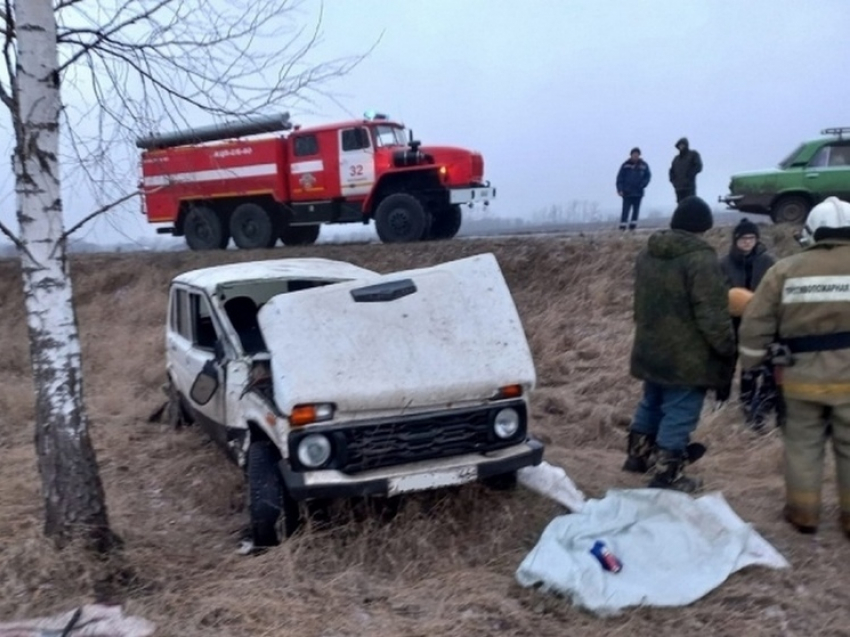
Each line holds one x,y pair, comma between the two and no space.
692,215
745,227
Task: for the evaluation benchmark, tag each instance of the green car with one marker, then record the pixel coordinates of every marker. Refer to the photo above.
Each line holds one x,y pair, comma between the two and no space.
814,171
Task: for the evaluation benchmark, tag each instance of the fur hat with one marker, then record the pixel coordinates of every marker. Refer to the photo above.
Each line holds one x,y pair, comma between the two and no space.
692,215
745,227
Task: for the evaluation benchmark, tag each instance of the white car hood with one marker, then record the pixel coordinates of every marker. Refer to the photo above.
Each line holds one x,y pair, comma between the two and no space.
457,338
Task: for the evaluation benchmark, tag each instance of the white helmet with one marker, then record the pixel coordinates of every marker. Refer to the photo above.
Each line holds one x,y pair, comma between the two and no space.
830,213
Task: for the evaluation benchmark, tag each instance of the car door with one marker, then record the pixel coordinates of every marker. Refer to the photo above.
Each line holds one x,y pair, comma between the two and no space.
356,162
191,345
308,170
828,174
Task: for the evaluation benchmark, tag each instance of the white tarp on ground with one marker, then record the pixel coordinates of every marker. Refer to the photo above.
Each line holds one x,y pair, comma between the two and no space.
554,483
674,549
93,620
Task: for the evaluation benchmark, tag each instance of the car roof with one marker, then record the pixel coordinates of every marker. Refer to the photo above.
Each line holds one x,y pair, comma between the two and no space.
212,278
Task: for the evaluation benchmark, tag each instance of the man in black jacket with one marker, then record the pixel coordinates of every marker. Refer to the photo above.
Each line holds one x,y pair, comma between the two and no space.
683,344
684,169
744,267
632,178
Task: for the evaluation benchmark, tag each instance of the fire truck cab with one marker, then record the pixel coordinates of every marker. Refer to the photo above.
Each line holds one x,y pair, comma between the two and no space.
242,181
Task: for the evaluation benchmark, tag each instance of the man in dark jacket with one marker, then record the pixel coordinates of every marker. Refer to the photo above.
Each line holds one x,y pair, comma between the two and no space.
683,344
684,169
744,267
632,179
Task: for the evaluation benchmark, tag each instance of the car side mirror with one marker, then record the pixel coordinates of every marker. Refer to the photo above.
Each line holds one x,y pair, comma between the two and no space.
205,385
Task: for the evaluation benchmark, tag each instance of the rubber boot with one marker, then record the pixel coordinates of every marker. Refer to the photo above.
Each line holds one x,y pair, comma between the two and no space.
802,521
640,448
669,472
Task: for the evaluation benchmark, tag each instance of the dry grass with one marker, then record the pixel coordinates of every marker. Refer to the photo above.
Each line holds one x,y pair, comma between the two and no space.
444,565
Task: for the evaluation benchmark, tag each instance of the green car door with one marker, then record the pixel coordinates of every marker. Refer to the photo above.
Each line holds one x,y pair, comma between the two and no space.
828,172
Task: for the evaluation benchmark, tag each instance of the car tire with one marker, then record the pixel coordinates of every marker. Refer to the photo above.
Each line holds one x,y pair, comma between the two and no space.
204,230
791,209
401,218
501,482
252,227
268,498
299,235
446,224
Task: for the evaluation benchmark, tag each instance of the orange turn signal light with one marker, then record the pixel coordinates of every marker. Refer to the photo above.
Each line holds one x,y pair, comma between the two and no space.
508,391
307,414
302,415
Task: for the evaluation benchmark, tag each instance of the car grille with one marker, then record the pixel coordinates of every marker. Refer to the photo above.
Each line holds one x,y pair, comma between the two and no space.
439,436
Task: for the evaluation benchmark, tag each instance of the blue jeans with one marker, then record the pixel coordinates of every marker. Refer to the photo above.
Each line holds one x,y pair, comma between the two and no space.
630,205
669,413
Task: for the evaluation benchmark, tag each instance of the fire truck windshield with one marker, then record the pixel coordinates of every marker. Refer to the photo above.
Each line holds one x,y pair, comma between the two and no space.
389,136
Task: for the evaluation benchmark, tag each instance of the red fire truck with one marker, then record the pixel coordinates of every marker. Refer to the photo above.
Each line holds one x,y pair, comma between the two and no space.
248,181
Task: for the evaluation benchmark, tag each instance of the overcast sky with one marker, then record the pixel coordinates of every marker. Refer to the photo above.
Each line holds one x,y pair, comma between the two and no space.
554,93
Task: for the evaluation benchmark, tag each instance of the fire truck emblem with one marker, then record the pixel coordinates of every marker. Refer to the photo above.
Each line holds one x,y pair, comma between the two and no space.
307,181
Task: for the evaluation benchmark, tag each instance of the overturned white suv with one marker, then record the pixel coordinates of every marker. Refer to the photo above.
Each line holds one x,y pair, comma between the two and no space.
322,379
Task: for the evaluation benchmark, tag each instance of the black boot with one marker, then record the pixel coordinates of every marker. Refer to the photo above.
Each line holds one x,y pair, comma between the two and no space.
640,450
669,472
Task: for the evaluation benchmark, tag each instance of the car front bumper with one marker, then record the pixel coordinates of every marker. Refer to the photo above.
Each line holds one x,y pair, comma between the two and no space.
411,477
752,203
471,196
730,200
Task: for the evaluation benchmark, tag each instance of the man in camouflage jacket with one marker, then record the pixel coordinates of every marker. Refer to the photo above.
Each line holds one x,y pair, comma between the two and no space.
803,302
683,347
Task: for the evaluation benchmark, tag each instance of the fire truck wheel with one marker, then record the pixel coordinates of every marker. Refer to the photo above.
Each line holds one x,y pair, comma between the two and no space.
446,223
299,235
401,218
251,227
204,230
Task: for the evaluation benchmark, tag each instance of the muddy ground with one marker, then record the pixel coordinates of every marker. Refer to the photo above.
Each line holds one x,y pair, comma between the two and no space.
444,565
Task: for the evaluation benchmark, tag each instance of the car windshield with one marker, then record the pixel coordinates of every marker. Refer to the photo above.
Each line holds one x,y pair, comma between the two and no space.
389,136
786,163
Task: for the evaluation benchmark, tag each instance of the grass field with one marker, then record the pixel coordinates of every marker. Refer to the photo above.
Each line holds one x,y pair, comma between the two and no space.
444,565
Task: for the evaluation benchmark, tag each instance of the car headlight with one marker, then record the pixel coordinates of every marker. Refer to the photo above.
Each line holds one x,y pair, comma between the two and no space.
314,450
506,423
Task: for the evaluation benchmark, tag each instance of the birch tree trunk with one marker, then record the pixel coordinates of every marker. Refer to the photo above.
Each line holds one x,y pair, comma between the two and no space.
73,494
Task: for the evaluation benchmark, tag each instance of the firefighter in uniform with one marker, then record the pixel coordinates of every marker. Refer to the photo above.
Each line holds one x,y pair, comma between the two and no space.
803,305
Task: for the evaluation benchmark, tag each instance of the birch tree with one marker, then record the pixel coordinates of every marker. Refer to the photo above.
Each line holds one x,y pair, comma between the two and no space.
132,65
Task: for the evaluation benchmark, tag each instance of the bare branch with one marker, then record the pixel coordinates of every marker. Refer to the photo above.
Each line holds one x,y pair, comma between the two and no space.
8,96
64,4
100,36
20,245
97,213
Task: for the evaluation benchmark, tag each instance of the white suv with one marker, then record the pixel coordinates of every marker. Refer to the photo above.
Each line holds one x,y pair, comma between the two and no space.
322,379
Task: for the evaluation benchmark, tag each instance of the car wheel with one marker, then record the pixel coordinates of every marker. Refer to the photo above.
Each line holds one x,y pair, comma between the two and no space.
446,223
501,482
269,501
204,230
252,227
401,218
791,209
299,235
